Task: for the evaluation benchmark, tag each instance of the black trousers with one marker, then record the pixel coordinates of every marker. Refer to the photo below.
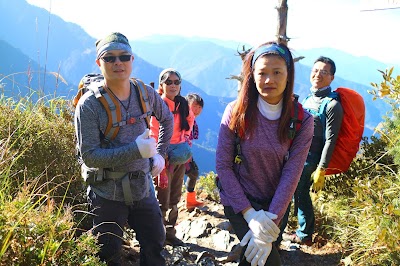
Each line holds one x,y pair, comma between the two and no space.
143,216
240,227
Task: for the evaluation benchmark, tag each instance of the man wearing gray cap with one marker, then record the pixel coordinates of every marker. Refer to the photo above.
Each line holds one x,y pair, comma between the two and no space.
125,194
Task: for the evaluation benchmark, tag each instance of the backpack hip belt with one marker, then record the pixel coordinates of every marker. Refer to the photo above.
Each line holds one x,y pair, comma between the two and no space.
97,175
118,175
125,182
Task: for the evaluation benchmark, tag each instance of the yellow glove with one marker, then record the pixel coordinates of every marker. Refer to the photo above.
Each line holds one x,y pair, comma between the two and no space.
318,178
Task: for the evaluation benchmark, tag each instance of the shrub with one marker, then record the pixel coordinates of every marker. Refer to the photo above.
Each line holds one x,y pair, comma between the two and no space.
33,231
363,204
37,150
41,137
41,233
389,91
368,223
373,160
207,185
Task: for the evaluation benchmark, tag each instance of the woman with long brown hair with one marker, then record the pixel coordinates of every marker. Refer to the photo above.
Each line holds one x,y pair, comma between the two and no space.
258,161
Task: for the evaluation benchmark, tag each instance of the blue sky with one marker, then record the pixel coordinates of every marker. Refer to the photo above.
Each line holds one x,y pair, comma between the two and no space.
340,24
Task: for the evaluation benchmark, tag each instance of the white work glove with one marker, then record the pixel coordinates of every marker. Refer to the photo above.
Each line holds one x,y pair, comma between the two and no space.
158,164
261,224
257,251
146,145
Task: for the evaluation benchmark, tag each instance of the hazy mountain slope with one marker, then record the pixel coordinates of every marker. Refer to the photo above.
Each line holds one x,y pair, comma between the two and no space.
33,39
197,60
359,69
203,63
47,39
20,75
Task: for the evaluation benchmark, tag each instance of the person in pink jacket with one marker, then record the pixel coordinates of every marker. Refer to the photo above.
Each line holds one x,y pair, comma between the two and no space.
169,182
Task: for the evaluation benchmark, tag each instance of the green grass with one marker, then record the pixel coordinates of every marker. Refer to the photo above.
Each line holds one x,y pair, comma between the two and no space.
39,184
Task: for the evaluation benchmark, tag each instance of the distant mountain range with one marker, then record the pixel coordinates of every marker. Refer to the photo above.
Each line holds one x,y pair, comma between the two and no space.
208,65
359,69
33,41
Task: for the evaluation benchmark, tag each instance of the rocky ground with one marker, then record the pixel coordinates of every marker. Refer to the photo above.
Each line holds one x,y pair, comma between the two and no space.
211,241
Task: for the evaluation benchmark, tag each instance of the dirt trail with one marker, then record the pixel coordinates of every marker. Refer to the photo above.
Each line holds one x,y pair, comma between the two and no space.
210,241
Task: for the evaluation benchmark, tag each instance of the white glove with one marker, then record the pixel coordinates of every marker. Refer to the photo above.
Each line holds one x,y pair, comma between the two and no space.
261,224
146,145
158,164
257,251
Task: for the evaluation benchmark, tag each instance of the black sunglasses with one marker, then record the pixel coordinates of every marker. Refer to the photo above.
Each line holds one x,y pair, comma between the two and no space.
112,58
169,82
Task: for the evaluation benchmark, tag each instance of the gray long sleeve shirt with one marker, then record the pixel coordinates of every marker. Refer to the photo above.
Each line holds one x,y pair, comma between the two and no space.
334,116
123,154
264,175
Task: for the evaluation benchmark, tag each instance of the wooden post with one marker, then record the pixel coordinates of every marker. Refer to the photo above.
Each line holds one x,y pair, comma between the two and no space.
281,36
282,22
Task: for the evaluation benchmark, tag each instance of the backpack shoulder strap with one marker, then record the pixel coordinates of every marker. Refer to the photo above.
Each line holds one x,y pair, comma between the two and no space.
77,97
324,104
322,109
238,149
144,98
296,118
305,99
112,108
331,96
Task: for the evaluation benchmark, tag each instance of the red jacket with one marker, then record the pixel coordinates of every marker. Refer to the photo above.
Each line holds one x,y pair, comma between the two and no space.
178,136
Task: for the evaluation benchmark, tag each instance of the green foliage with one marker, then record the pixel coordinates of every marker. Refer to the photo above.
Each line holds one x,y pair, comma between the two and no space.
41,233
6,159
373,160
389,91
363,204
390,131
36,225
207,184
367,224
41,137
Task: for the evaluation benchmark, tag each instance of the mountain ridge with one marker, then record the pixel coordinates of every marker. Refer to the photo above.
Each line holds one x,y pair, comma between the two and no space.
205,64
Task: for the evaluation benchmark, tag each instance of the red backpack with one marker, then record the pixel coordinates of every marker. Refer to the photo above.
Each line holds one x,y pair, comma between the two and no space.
351,130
